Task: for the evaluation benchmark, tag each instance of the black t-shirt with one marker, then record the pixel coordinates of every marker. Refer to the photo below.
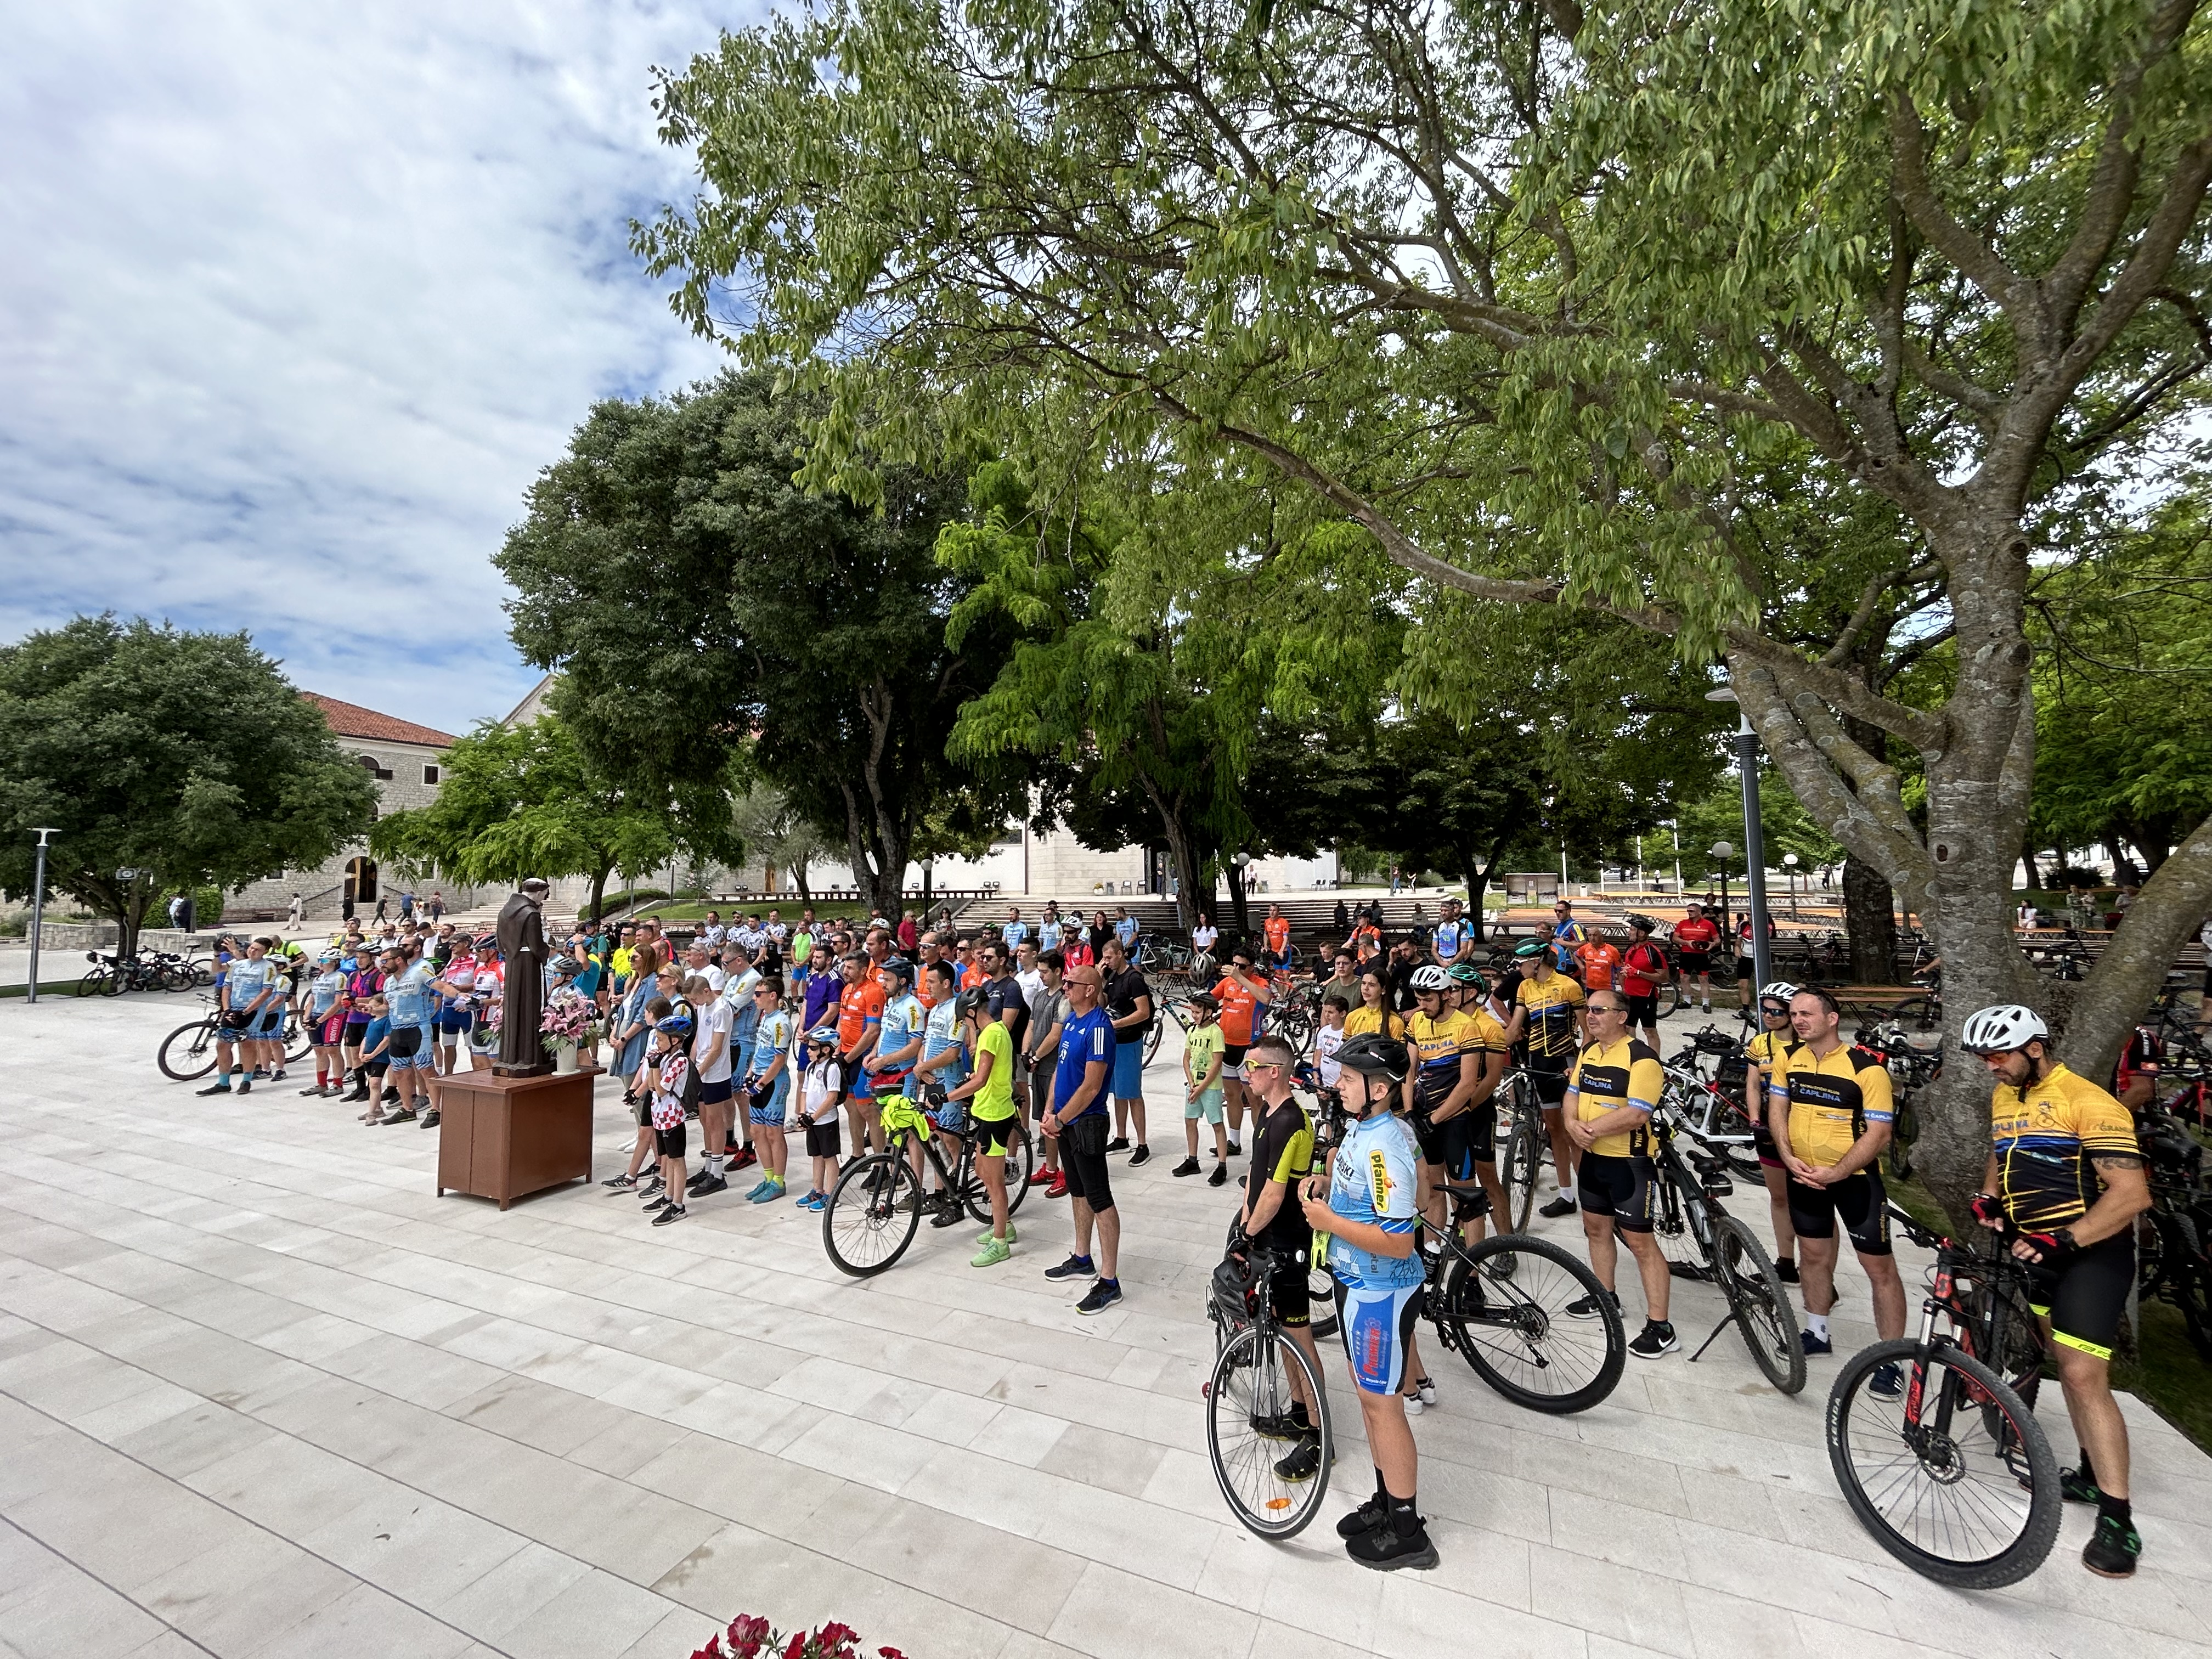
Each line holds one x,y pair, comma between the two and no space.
1005,993
1121,994
1398,976
1098,936
1282,1150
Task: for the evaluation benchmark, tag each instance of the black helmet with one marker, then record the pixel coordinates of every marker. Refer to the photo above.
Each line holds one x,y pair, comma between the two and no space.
1371,1055
969,1000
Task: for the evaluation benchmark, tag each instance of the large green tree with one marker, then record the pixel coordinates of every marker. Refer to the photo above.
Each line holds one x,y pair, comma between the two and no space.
1528,291
528,801
702,604
167,760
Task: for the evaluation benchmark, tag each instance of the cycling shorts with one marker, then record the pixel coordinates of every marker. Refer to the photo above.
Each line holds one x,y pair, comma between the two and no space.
1695,961
2084,1296
1376,1323
1621,1188
1859,1200
715,1093
1762,1142
996,1136
1290,1293
1747,965
266,1025
1460,1141
1549,1073
453,1021
1232,1059
1643,1011
332,1030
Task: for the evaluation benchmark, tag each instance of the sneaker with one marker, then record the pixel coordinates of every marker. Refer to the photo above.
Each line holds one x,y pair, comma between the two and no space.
1119,1144
995,1251
245,1086
1058,1187
1043,1178
1588,1307
1657,1338
319,1088
2077,1488
698,1180
1303,1461
1076,1267
391,1096
653,1184
767,1193
1415,1404
1103,1294
1013,1236
670,1212
1235,1150
1813,1344
623,1182
1368,1517
277,1076
711,1185
1786,1271
1559,1207
753,1195
1887,1382
404,1114
218,1088
1219,1177
1142,1155
1386,1549
1187,1167
745,1159
658,1201
1279,1425
429,1120
815,1200
2112,1550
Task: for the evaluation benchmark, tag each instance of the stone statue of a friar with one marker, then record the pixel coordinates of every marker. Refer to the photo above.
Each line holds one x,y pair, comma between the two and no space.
521,932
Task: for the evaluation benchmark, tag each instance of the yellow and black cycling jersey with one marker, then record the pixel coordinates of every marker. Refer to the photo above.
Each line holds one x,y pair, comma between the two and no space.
1768,1047
1438,1045
2046,1140
1283,1150
1550,1004
1489,1039
1609,1075
1833,1098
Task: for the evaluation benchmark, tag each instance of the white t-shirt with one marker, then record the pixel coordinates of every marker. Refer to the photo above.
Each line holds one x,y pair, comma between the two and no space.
1203,936
1327,1042
1032,983
822,1083
712,974
715,1017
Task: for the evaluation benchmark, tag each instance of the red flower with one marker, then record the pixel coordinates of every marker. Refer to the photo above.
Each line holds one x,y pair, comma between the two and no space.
889,1653
796,1648
712,1650
748,1635
837,1641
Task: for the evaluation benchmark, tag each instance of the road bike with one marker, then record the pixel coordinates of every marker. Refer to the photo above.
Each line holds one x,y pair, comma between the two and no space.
112,976
1933,1438
1522,1144
877,1205
1703,1241
187,1053
1259,1373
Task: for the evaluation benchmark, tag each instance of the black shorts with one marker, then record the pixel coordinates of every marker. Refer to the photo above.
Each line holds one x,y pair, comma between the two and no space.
1232,1057
2086,1294
1695,961
1618,1187
995,1136
823,1139
1549,1073
1290,1292
376,1067
670,1142
1762,1142
713,1094
1745,966
1082,1161
1643,1011
1859,1200
1040,1086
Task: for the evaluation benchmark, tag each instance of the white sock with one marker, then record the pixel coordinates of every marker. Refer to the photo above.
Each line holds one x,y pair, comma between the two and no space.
715,1165
1818,1324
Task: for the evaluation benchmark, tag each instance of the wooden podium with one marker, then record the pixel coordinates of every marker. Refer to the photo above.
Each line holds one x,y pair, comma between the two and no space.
507,1137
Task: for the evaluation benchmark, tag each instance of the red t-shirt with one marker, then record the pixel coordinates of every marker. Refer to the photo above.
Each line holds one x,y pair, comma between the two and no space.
1237,1003
1697,934
1643,968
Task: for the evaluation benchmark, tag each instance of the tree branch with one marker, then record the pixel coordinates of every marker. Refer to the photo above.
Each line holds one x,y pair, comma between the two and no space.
2013,293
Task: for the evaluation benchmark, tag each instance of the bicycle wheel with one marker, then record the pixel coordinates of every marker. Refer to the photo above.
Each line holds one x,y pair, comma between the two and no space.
1669,995
1252,1383
872,1213
1902,1134
177,976
298,1044
1019,1161
187,1053
1762,1307
1503,1307
95,982
1965,1491
1918,1014
1152,1040
116,980
1518,1170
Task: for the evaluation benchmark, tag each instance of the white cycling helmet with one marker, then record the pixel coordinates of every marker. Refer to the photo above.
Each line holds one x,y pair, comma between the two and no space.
1430,977
1780,990
2000,1029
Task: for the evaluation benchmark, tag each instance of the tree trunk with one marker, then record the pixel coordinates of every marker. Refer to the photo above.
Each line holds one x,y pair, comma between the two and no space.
1869,922
798,875
1477,882
599,891
1238,906
2169,907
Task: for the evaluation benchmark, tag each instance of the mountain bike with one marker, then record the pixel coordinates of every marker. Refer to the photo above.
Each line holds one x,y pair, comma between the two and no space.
1164,1009
2174,1237
1933,1438
877,1205
1688,1218
1912,1068
111,975
187,1053
1521,1144
1259,1373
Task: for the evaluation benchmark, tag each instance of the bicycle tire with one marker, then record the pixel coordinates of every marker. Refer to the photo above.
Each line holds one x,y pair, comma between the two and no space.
1918,1014
177,976
1522,1329
879,1222
1152,1040
200,1054
1021,1159
115,981
1523,1162
1251,1380
1668,995
93,983
1763,1313
1978,1397
292,1056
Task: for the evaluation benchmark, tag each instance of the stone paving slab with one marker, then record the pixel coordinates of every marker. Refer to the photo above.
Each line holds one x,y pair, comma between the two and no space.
261,1393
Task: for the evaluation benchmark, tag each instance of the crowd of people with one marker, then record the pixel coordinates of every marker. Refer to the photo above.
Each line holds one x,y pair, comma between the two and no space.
846,1033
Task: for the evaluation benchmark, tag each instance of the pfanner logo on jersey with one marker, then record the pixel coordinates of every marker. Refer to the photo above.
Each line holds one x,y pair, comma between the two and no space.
1379,1184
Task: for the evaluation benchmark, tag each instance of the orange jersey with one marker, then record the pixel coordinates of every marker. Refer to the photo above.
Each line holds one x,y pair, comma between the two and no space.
1237,1006
1278,930
857,1006
1600,964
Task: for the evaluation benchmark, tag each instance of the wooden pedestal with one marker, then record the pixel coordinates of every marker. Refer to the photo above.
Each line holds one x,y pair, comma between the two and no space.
505,1137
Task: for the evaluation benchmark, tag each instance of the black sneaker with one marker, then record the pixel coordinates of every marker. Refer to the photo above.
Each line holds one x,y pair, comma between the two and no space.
2077,1488
623,1182
1386,1549
2112,1550
949,1211
1588,1307
671,1212
1119,1144
1142,1155
245,1087
653,1184
1814,1345
1888,1382
405,1115
1786,1271
707,1188
1657,1338
391,1096
1103,1294
1281,1426
1187,1167
214,1088
658,1201
1219,1177
1559,1207
430,1118
1303,1461
1368,1517
1235,1150
1076,1267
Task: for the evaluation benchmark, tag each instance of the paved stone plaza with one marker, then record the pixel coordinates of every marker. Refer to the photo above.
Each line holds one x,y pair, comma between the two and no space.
261,1393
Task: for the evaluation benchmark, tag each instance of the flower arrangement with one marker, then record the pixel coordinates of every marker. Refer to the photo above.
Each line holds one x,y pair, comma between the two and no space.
749,1638
569,1016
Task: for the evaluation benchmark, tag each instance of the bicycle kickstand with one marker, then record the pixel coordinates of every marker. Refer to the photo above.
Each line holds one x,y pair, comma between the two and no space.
1727,1320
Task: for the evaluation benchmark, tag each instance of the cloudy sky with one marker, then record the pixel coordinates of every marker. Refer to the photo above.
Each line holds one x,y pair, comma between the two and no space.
296,301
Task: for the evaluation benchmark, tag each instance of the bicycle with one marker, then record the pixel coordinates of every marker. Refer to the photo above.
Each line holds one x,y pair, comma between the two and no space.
187,1053
1259,1373
1523,1144
111,975
877,1205
1688,1213
1911,1070
1951,1473
2174,1238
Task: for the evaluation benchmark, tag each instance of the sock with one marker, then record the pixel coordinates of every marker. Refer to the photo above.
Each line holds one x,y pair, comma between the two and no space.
1405,1519
2115,1507
322,1079
1298,1414
715,1165
1818,1324
2084,1469
1382,1493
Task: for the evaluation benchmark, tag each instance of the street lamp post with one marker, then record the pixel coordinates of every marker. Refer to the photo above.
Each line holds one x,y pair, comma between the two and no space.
1754,838
1723,851
1790,863
38,912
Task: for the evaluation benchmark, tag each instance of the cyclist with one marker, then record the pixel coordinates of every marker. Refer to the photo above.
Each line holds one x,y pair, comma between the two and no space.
1747,957
1282,1158
1829,1110
1763,1054
1598,959
1367,1206
2066,1170
1643,971
1374,1016
1277,931
1474,992
1568,936
1695,936
1444,1048
1547,1013
1455,937
994,1120
1610,1098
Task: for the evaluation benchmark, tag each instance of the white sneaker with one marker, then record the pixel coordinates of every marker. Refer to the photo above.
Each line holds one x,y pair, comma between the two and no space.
1426,1389
1415,1404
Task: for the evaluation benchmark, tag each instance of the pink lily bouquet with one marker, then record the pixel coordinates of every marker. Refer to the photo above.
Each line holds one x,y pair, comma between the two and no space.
570,1017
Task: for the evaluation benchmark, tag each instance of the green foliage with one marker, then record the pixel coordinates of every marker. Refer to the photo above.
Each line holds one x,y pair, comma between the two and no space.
185,758
1717,817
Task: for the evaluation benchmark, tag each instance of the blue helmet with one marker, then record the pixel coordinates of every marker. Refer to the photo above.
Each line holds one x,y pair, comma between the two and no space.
678,1025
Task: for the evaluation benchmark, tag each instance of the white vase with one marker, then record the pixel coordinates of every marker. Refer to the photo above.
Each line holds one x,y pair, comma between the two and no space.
564,1058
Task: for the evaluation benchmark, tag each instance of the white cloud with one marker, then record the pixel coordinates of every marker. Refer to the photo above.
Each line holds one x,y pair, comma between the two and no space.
297,301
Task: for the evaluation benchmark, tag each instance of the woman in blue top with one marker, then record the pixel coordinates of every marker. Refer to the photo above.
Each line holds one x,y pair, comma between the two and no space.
631,1027
1366,1205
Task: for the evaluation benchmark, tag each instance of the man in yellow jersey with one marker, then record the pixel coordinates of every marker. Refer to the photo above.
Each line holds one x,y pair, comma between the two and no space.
1547,1012
2066,1170
1472,993
1762,1053
1610,1095
1830,1111
1443,1070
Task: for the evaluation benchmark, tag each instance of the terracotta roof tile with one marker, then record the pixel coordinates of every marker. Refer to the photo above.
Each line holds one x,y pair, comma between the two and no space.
350,720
